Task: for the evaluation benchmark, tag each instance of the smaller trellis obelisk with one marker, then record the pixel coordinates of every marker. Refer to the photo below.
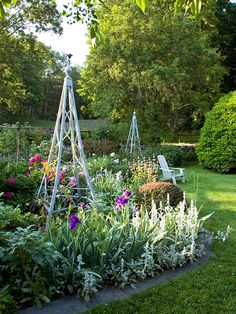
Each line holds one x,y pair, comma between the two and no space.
66,181
133,141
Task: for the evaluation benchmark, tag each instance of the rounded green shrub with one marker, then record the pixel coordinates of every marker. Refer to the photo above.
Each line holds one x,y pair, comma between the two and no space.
217,144
158,191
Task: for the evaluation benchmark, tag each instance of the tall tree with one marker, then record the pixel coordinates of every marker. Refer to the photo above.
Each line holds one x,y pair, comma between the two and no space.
162,66
226,40
25,62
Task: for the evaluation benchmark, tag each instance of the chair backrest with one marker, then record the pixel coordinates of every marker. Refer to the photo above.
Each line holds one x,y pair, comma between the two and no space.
165,169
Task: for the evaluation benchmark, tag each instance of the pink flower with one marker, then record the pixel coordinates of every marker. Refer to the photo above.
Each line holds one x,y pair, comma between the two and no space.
8,194
27,174
62,176
81,174
11,180
72,182
30,168
32,160
37,157
44,162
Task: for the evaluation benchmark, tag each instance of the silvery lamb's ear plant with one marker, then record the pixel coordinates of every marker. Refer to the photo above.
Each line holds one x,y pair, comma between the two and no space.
221,235
122,244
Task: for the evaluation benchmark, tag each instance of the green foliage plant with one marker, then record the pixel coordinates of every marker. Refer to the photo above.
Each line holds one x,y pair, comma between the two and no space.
7,302
114,163
17,141
26,183
171,152
217,144
100,147
12,218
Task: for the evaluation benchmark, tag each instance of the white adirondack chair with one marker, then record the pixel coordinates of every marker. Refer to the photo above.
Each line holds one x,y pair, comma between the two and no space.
170,173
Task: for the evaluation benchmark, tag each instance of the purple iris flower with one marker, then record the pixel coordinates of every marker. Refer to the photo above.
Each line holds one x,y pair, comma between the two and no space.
121,201
74,220
83,206
127,193
137,209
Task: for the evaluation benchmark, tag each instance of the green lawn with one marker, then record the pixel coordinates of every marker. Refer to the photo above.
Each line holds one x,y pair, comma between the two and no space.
212,287
84,124
190,138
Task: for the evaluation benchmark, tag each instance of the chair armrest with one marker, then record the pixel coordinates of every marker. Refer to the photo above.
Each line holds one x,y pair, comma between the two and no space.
170,170
177,168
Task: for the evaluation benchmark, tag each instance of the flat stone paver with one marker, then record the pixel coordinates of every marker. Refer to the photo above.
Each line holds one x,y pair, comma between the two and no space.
74,305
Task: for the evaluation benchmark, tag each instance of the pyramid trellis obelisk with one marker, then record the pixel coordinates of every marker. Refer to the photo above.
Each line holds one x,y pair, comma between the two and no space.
133,141
66,181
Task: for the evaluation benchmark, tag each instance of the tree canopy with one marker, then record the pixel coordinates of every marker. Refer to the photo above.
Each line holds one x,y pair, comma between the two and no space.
26,65
86,11
162,66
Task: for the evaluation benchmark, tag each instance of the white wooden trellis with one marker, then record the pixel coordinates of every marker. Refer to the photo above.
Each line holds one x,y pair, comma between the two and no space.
66,137
133,140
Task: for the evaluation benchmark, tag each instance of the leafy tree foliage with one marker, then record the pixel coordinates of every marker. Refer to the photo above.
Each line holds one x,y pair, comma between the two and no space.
217,144
31,74
86,11
226,40
162,66
35,15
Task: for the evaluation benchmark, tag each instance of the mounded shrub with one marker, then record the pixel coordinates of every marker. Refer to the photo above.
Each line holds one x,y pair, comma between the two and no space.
217,144
158,191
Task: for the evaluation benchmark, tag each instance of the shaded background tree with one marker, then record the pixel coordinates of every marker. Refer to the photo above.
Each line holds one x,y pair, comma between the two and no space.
31,74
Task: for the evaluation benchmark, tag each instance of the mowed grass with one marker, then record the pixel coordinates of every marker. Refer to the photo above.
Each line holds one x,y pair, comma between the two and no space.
84,124
211,288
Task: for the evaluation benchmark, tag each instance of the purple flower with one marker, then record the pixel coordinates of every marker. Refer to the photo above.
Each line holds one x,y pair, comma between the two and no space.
127,193
137,209
74,220
83,206
72,182
121,201
11,180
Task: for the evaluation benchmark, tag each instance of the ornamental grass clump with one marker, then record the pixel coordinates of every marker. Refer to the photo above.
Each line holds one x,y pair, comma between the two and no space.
159,192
